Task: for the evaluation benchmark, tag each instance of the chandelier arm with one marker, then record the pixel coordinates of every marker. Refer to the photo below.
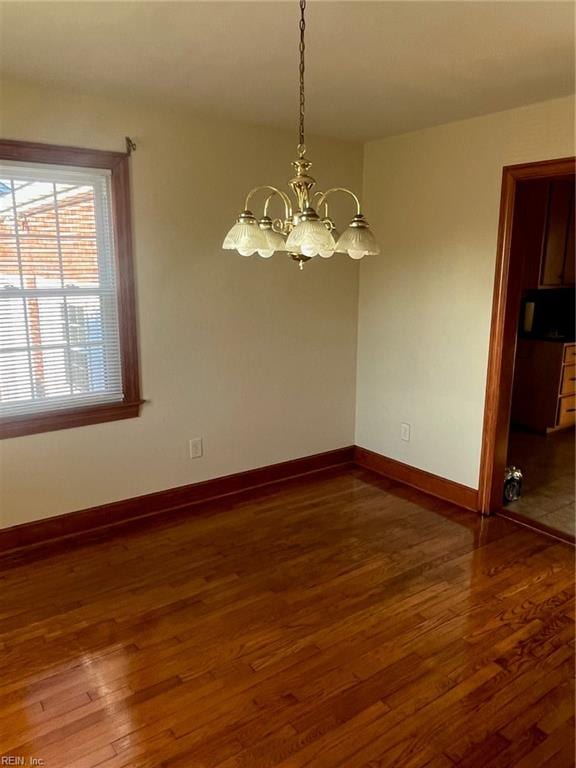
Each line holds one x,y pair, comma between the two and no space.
287,205
267,203
324,195
275,191
322,202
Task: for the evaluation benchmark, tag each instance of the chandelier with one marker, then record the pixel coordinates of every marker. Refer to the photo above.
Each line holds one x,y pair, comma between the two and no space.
301,232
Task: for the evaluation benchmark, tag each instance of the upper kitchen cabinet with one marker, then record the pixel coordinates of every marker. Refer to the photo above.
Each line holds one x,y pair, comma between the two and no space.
559,219
569,261
544,220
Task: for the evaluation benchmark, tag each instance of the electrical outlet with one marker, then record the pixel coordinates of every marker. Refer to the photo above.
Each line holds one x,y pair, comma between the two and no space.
195,448
405,432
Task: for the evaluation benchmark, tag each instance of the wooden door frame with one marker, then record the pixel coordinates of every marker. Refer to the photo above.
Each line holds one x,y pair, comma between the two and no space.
504,327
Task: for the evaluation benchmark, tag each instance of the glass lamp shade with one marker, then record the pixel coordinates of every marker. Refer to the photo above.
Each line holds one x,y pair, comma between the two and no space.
311,238
245,237
357,241
274,242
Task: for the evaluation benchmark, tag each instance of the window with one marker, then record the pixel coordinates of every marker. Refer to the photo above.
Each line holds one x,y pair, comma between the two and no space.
68,352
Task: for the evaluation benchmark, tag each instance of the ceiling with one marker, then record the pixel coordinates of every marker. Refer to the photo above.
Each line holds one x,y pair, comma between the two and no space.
373,68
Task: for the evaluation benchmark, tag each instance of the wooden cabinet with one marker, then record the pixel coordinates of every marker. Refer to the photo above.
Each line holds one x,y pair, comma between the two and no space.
544,232
554,252
543,397
568,380
570,260
567,411
570,354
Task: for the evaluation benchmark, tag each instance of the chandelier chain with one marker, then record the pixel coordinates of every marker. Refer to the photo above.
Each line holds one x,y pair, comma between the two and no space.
302,147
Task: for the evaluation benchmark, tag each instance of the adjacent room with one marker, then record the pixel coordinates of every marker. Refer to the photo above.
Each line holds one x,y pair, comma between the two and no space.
287,384
543,395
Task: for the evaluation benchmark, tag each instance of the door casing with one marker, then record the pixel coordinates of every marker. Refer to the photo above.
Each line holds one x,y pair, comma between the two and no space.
503,332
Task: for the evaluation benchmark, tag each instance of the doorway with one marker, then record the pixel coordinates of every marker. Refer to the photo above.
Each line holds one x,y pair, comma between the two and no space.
522,186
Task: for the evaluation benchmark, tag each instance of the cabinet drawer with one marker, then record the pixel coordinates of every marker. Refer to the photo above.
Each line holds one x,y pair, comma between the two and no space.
567,414
570,354
568,380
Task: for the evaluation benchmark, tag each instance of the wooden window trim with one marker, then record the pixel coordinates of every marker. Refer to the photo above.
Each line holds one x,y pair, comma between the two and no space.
129,407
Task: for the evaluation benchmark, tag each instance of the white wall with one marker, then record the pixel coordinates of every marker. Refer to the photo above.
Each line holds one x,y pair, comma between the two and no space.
433,199
256,356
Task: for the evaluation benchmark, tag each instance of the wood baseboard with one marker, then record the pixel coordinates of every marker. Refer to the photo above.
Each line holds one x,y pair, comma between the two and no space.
448,490
155,506
87,521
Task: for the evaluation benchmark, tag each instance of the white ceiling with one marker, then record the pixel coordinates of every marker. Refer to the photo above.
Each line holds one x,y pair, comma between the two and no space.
373,68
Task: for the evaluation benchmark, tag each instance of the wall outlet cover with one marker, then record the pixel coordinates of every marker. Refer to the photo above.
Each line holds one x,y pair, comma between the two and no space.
195,448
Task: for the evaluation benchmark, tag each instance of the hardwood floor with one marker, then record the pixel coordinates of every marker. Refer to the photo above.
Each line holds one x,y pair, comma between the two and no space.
335,620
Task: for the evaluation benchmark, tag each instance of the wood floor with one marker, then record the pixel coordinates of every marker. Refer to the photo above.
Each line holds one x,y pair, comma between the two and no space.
335,620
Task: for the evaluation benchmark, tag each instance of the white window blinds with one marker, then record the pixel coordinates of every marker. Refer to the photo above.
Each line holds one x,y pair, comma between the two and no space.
59,340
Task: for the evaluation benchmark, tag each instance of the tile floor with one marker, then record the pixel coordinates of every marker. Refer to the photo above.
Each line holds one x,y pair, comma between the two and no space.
547,464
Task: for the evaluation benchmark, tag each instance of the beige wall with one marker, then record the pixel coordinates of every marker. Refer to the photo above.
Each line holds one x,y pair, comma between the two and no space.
254,355
424,314
258,357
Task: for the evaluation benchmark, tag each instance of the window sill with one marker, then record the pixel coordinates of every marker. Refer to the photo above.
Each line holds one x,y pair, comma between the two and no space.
17,426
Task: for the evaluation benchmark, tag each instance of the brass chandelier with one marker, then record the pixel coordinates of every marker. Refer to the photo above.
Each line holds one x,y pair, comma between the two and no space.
301,232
